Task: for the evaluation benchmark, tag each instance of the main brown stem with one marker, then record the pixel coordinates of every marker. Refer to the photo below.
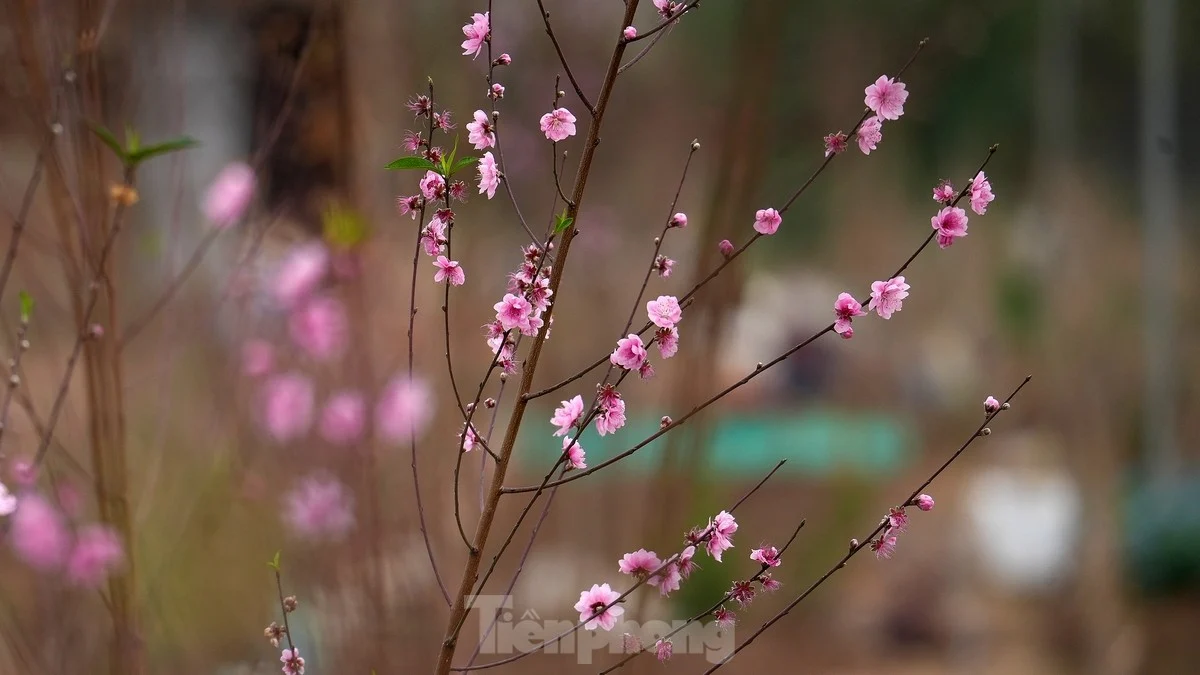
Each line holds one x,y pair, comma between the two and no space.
474,556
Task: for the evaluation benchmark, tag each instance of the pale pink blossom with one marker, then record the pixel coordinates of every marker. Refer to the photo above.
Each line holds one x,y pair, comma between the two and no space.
668,341
576,458
300,273
663,649
97,554
981,194
612,411
630,352
835,144
846,308
287,401
258,357
767,221
629,33
639,563
229,195
725,247
869,134
925,503
504,59
449,270
667,8
344,418
319,508
897,520
292,663
768,555
433,186
769,583
990,405
567,414
884,546
8,501
513,312
469,438
320,327
591,607
886,98
950,223
944,193
478,32
489,175
667,581
480,132
721,529
413,141
497,92
24,472
433,237
631,644
664,311
558,124
38,534
686,562
724,617
405,408
887,297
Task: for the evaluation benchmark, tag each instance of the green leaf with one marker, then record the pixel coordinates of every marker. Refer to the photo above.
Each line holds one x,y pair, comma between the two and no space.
449,162
562,221
164,148
26,306
108,139
462,164
274,564
411,163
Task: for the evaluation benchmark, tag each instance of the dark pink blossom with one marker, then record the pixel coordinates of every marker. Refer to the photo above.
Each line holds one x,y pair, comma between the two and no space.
742,593
845,308
725,247
663,265
668,341
630,352
433,186
612,411
950,223
990,405
768,555
884,546
292,663
724,617
835,143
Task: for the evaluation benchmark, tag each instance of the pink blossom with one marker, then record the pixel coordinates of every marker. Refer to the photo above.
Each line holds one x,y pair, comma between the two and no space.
319,508
432,186
886,98
888,296
639,564
442,121
513,312
489,175
846,308
567,414
258,357
629,33
344,417
408,205
413,141
469,438
646,370
97,553
678,220
724,617
287,406
766,221
981,194
835,143
24,472
38,534
558,124
591,607
405,408
420,105
662,650
229,195
742,593
8,501
292,663
664,311
612,411
478,32
458,191
480,133
576,458
950,223
663,265
768,555
721,529
667,8
884,546
320,327
990,405
769,583
504,59
668,341
944,192
433,237
925,503
686,562
725,247
449,270
897,520
667,581
630,353
869,134
497,92
301,272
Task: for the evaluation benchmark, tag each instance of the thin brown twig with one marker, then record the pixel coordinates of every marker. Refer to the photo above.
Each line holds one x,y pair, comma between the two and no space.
563,60
665,23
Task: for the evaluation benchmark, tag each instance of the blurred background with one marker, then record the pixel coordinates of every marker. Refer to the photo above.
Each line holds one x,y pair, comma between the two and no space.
1066,542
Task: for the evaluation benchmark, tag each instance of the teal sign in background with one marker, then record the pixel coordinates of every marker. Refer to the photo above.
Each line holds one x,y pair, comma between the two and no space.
815,443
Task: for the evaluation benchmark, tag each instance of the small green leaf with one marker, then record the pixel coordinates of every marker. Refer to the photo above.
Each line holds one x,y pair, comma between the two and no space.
462,164
108,139
26,306
415,163
274,564
453,153
133,142
562,221
164,148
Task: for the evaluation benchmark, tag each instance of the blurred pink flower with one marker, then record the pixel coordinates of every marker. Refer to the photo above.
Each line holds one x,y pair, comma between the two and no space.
23,472
449,270
664,311
319,508
591,607
489,175
663,650
38,534
576,457
769,583
558,124
639,564
869,134
667,8
344,418
567,414
886,98
287,406
320,327
96,555
477,33
846,308
258,357
767,221
667,581
301,272
950,223
405,408
630,352
887,297
8,501
981,194
229,195
479,132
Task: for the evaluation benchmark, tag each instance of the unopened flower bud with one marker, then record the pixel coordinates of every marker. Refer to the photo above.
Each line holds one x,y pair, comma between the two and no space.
503,60
470,406
990,405
290,603
96,331
925,503
1005,406
489,402
695,145
725,247
853,544
125,195
665,422
986,431
629,33
679,220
